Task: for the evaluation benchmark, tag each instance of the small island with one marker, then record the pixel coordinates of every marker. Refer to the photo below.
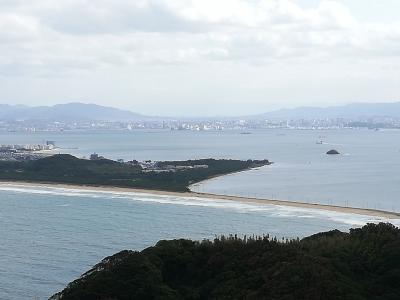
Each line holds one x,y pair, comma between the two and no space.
362,264
175,176
333,152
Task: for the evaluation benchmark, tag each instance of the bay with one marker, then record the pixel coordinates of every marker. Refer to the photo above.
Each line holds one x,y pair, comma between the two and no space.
50,236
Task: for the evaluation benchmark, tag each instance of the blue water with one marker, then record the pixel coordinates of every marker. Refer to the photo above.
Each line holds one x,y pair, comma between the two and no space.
51,236
365,174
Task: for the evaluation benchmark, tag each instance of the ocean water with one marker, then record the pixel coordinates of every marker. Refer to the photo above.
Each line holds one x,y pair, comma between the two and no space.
52,235
365,175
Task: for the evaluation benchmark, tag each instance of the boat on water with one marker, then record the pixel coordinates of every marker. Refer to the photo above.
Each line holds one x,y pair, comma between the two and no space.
320,140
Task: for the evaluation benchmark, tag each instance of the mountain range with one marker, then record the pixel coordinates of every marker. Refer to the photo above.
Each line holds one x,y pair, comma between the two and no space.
67,112
350,111
94,112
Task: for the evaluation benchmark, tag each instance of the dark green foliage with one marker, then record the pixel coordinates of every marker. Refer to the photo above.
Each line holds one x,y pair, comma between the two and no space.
69,169
362,264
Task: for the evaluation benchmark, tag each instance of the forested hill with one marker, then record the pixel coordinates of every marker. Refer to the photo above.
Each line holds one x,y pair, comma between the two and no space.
362,264
64,168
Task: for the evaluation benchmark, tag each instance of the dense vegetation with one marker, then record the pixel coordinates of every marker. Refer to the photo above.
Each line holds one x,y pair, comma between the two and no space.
69,169
362,264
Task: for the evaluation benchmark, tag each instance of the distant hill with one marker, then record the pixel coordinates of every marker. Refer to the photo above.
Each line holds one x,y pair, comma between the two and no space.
67,112
350,111
93,112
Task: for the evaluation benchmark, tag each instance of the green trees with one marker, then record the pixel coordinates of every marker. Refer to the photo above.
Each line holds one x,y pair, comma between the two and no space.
69,169
362,264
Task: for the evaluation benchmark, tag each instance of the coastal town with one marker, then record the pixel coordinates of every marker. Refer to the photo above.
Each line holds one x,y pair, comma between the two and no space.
27,152
212,124
30,152
154,166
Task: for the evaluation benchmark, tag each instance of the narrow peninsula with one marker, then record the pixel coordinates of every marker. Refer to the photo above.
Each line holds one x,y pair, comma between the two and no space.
174,176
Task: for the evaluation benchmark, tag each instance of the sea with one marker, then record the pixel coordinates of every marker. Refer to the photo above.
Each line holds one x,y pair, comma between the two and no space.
51,235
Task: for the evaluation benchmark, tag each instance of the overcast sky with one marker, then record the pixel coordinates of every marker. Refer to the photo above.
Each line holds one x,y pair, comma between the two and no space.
199,57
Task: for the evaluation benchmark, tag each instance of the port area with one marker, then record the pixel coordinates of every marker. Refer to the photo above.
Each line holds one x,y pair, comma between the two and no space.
27,152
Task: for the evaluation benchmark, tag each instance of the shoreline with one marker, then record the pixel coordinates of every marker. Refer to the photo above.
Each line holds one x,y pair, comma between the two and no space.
250,200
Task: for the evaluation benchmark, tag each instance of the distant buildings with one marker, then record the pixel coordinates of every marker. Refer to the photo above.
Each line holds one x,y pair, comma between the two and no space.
95,156
26,152
51,145
153,166
202,124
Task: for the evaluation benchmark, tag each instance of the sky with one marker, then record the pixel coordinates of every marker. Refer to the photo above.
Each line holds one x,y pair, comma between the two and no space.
199,57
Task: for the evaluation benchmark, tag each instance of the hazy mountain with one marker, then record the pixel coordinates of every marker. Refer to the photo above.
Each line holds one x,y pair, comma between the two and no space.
67,112
351,111
93,112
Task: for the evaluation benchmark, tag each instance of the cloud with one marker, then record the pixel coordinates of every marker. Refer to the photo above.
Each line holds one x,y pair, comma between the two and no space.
114,17
44,37
17,28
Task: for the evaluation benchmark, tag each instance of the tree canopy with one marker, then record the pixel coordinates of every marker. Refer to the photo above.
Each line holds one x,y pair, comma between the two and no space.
361,264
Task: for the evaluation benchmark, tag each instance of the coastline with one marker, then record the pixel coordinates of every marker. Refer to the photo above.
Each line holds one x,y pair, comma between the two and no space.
249,200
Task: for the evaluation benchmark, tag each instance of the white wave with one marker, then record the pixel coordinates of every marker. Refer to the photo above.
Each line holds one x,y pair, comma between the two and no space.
332,144
269,209
50,191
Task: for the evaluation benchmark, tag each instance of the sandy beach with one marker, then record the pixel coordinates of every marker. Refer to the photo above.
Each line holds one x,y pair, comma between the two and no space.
295,204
